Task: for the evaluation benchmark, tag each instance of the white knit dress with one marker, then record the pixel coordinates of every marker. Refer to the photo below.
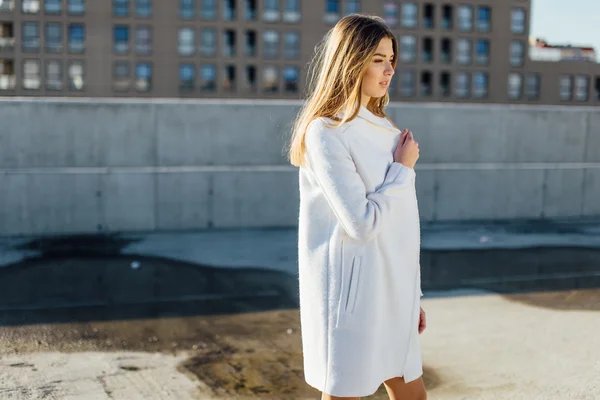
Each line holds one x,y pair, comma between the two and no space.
359,245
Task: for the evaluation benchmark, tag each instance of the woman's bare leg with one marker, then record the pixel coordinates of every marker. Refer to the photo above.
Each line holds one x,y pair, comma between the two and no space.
399,390
326,396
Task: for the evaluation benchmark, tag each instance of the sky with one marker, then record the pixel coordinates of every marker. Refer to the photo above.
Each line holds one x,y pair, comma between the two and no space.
567,21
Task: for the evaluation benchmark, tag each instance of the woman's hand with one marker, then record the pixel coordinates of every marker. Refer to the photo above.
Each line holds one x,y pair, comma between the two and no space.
422,321
407,150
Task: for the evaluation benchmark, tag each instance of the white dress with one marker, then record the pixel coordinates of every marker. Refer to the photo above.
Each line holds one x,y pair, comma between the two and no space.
358,253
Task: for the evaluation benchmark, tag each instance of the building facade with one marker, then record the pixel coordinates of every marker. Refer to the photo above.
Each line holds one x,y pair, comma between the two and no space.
455,51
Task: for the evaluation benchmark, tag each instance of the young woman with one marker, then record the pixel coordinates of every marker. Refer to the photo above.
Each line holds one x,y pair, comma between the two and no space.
359,233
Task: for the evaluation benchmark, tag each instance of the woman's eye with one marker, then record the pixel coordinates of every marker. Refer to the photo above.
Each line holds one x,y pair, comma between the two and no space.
378,61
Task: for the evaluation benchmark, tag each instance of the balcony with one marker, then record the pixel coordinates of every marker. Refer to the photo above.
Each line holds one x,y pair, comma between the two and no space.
76,47
32,83
291,16
271,15
122,84
331,18
8,82
54,84
7,43
7,5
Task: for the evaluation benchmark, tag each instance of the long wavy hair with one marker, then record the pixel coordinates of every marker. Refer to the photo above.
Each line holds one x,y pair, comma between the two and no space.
335,76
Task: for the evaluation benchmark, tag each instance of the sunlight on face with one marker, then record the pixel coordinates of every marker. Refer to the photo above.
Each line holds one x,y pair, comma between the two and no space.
378,76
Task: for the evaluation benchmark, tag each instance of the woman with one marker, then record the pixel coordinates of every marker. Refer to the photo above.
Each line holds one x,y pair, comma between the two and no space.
359,227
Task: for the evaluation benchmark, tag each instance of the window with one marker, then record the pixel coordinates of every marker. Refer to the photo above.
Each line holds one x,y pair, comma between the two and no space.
463,51
484,19
53,6
597,88
352,7
515,86
426,84
407,83
447,17
121,75
143,8
250,85
208,77
390,13
445,84
250,10
427,50
143,40
482,50
271,11
409,15
461,85
332,11
208,42
517,21
54,40
565,87
465,18
229,10
291,13
270,79
121,39
408,48
143,77
480,85
250,50
532,86
7,35
186,42
54,79
30,6
187,9
187,77
120,8
229,78
428,16
209,9
75,7
446,55
76,38
582,84
516,53
31,74
229,43
7,75
290,79
31,36
291,46
76,75
6,6
270,44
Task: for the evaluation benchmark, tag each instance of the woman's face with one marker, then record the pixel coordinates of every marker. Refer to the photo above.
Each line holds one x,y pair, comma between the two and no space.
378,76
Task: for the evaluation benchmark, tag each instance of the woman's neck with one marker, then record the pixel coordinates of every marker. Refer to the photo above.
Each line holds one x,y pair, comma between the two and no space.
365,101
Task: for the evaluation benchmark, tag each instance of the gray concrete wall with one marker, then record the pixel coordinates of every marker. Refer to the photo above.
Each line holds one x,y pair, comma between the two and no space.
84,166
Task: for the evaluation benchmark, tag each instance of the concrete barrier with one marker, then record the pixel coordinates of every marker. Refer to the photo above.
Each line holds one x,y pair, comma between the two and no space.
117,165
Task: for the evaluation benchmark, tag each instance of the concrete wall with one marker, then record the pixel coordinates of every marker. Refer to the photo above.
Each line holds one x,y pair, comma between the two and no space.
84,166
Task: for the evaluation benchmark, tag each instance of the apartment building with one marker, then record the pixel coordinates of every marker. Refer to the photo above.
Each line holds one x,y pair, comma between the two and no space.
449,50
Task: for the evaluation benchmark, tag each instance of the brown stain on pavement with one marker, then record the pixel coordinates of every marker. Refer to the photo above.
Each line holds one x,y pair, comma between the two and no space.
577,300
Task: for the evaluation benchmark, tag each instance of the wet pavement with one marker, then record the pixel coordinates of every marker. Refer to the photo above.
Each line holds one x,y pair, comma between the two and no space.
86,319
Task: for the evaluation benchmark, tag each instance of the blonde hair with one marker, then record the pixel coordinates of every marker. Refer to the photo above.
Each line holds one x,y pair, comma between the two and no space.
335,76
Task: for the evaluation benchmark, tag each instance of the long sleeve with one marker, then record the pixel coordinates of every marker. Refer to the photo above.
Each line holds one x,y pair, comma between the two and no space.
360,213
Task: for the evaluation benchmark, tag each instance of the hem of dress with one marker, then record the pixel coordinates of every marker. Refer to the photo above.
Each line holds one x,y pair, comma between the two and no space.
366,393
